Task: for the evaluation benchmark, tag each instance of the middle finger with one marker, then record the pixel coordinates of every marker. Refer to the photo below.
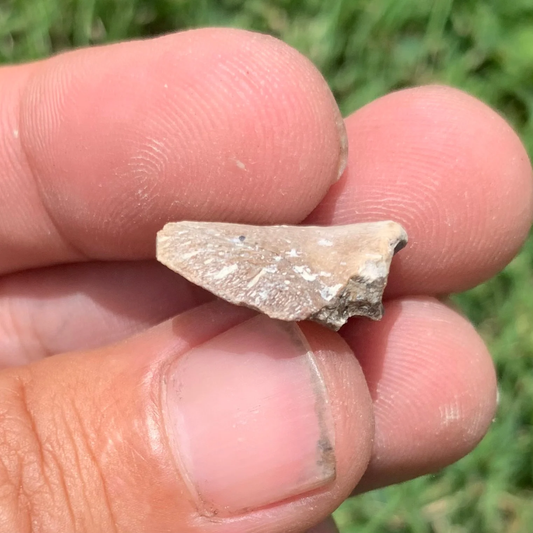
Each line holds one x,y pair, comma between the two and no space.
451,171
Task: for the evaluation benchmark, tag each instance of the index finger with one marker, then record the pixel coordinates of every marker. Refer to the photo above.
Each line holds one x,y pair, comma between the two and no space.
103,146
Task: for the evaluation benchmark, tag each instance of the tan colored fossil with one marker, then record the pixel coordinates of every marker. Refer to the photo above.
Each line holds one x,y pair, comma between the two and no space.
321,273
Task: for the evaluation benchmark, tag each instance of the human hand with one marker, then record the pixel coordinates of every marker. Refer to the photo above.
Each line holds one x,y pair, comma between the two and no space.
101,148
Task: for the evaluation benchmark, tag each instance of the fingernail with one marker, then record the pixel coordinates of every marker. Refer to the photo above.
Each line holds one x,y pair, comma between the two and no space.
343,138
249,418
343,134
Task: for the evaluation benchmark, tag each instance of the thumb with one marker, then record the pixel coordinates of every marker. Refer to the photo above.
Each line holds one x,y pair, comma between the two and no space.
216,421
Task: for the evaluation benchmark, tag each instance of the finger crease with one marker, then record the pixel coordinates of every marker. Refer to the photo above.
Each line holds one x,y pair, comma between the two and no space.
74,250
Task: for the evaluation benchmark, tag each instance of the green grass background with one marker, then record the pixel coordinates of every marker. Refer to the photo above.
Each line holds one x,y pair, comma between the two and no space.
366,48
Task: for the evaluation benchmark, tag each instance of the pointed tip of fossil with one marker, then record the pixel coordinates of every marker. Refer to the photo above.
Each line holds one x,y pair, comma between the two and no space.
402,239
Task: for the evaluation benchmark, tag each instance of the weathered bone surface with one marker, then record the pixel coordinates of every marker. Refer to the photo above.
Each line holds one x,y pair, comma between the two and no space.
325,274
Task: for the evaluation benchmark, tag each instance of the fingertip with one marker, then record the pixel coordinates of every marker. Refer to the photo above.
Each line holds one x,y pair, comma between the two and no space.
217,124
268,434
451,171
468,196
433,386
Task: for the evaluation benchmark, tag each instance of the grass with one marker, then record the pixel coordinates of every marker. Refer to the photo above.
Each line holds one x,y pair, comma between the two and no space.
366,48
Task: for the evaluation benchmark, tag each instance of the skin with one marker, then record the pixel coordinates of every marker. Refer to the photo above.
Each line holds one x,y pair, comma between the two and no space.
102,146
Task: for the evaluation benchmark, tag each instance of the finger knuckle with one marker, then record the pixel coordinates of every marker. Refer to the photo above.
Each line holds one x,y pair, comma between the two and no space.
38,468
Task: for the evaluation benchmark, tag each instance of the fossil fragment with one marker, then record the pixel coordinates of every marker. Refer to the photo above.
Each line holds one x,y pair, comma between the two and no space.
321,273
